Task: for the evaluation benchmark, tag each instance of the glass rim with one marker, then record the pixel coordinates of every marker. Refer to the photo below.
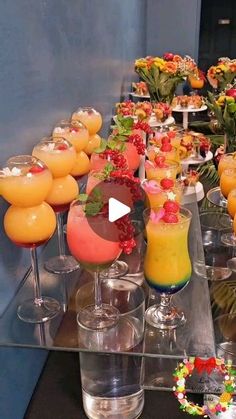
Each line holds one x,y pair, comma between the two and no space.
188,214
224,215
177,183
26,159
53,140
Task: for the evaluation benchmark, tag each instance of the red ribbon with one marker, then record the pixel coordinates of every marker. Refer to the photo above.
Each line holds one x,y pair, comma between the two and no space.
207,365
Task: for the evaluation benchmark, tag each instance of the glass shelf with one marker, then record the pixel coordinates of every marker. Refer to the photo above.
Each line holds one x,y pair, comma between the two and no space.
160,351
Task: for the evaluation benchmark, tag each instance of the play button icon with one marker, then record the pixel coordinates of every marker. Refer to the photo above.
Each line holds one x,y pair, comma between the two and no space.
116,210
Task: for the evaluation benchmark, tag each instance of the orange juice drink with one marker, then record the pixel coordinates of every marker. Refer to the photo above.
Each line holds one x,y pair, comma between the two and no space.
227,181
30,227
161,169
82,165
59,156
25,184
227,161
231,203
63,191
92,250
90,118
159,192
154,151
167,266
75,132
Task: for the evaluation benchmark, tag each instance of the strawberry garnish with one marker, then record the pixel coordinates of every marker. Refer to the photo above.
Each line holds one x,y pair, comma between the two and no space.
170,218
166,147
171,206
167,183
171,134
160,161
165,140
36,169
62,147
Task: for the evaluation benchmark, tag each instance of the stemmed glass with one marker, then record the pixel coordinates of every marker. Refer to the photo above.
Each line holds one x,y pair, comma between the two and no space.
29,222
229,239
91,118
215,196
60,156
93,241
167,266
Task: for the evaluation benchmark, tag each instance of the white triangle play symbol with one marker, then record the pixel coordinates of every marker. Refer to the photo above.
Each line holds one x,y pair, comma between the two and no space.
116,209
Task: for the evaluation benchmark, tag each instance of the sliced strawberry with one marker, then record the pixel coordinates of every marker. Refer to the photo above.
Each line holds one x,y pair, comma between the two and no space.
166,147
160,161
167,183
171,206
170,218
62,147
36,169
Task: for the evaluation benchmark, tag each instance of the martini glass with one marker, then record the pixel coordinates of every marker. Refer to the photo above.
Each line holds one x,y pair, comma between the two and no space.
167,265
60,156
30,222
94,242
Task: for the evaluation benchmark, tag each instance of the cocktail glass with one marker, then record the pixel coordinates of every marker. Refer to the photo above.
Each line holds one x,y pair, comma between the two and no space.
156,195
227,181
168,170
73,131
167,265
60,156
86,237
29,222
91,118
227,161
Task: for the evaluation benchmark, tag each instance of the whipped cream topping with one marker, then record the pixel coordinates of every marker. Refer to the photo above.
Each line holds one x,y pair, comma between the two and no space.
15,171
87,113
58,130
48,147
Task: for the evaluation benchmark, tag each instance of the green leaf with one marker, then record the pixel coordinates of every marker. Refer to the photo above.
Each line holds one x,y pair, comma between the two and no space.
83,197
97,194
112,144
93,208
102,147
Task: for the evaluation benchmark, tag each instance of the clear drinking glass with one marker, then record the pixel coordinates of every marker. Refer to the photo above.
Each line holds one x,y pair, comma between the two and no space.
29,222
94,241
60,156
167,266
111,382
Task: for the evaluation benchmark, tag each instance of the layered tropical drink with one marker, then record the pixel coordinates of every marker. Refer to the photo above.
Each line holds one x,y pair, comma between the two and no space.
29,222
91,118
227,181
75,132
167,265
161,168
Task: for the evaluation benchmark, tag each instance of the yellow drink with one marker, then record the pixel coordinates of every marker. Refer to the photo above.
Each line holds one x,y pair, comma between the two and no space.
156,195
64,190
74,132
153,152
227,181
231,203
27,188
30,227
167,265
59,156
168,170
227,161
90,118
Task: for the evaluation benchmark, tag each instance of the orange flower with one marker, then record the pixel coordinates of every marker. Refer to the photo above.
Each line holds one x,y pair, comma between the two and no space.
170,67
177,58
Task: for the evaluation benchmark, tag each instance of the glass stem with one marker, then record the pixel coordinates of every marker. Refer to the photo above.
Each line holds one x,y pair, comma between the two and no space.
97,291
60,234
35,269
165,305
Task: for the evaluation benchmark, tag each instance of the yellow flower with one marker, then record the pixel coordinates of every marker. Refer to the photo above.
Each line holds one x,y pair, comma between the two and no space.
141,63
225,397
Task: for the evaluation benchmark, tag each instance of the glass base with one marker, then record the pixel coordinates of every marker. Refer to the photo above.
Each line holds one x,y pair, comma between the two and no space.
229,239
212,273
117,269
126,407
216,198
155,317
30,312
61,264
104,317
232,264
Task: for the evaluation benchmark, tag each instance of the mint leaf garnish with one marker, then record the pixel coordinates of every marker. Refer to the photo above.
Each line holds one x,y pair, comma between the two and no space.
83,197
102,147
93,208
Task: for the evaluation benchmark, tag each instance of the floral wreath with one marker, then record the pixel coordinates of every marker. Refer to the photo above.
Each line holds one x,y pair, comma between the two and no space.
185,369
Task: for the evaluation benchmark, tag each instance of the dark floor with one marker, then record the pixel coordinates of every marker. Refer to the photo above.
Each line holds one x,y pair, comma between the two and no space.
58,394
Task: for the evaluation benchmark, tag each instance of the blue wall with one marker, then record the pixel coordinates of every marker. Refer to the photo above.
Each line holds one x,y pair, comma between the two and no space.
55,55
173,26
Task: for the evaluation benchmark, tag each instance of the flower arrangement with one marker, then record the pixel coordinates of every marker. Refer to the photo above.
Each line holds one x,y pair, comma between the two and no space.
224,110
222,74
163,74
